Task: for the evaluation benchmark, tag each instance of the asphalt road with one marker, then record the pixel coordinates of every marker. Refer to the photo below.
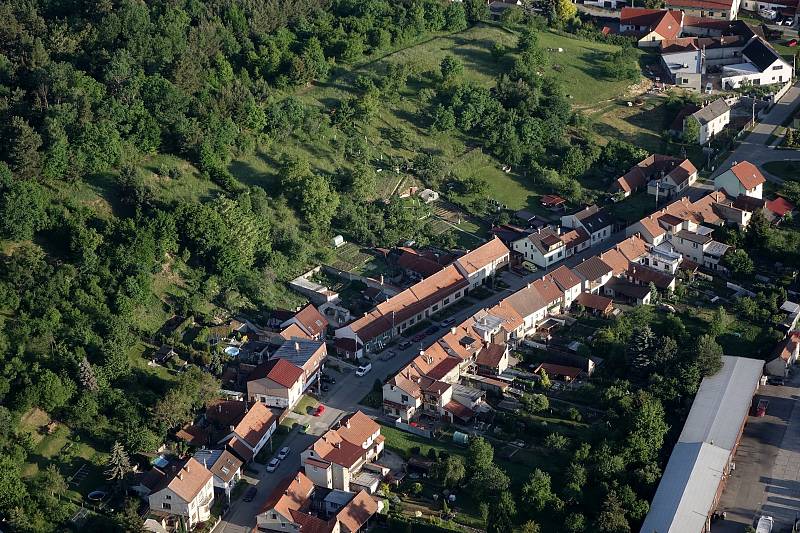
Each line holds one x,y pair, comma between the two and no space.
349,389
754,147
767,476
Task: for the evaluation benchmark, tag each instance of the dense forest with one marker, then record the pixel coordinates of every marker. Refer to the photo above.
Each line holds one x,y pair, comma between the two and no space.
89,89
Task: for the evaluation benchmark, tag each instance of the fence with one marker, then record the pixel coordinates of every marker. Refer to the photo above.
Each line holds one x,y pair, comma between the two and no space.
422,432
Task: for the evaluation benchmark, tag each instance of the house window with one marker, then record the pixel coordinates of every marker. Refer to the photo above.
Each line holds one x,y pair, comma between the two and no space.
166,506
274,516
435,307
446,301
167,497
777,67
404,398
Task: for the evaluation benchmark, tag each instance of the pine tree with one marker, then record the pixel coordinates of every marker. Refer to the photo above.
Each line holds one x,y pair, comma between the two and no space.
640,349
118,463
87,377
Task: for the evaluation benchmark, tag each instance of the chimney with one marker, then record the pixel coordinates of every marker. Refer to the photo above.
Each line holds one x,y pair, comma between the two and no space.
179,475
232,427
296,346
453,330
186,466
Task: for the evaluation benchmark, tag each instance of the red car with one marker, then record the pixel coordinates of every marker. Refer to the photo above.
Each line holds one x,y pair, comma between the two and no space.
319,410
792,42
761,408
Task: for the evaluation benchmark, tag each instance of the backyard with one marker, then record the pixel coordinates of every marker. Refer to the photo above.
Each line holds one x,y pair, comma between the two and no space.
789,170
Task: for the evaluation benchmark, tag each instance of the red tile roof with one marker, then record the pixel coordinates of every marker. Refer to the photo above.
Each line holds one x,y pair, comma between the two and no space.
255,424
417,263
780,206
185,478
462,412
355,514
280,371
594,301
291,494
491,355
311,320
748,175
483,255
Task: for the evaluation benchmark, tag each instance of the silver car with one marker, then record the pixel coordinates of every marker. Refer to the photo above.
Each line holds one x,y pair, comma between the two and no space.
273,465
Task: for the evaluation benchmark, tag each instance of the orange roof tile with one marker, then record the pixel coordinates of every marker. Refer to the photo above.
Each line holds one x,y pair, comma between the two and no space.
615,260
483,255
292,494
355,514
255,423
748,175
185,478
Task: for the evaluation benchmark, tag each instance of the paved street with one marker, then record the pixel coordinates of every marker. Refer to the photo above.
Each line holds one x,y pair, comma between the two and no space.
754,147
350,389
767,476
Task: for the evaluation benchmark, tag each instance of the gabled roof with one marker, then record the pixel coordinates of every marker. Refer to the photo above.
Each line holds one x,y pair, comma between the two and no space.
527,301
409,302
419,264
574,237
225,413
458,410
255,423
291,494
491,355
280,371
594,301
748,174
700,4
221,463
616,260
665,23
483,256
645,170
593,268
546,240
594,219
357,428
293,331
185,478
298,351
760,53
780,206
311,320
715,109
548,290
564,278
646,275
633,247
355,514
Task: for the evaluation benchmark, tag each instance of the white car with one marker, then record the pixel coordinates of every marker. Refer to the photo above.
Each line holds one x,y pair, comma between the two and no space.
273,465
363,370
283,453
765,524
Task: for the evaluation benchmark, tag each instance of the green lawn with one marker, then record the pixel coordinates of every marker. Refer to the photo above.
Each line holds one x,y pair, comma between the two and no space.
789,170
634,207
578,68
305,405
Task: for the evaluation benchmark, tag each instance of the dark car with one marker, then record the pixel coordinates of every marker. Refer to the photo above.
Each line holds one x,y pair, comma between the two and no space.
418,337
431,330
325,378
776,381
405,344
250,494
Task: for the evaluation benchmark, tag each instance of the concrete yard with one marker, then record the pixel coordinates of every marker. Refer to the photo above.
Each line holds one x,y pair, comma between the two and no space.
767,476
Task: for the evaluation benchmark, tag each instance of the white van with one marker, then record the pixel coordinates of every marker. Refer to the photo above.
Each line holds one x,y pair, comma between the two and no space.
363,370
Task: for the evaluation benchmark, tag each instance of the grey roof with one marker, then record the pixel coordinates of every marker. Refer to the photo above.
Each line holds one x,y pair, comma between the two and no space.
339,497
717,248
297,351
593,268
760,53
596,221
691,236
715,109
686,493
722,403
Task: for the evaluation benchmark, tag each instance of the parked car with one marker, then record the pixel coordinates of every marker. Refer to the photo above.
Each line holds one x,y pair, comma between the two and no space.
363,370
273,464
765,524
792,42
387,354
788,21
250,494
418,337
768,14
319,410
448,322
325,378
405,344
529,266
325,388
286,450
776,380
431,330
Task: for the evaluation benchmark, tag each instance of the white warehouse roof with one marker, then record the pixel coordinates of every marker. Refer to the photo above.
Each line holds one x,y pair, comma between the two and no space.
686,493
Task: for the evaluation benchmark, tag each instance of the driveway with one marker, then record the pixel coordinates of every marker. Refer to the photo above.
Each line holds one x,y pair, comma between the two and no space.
767,476
754,147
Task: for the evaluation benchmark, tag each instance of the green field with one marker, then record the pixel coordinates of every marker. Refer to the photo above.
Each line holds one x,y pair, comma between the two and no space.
789,170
